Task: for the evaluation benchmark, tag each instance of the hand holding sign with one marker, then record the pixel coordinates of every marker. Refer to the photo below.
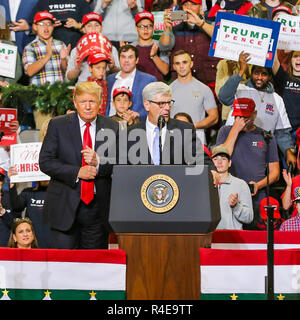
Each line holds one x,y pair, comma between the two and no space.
244,58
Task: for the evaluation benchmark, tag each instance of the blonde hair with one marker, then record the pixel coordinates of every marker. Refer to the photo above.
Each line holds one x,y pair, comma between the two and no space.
89,87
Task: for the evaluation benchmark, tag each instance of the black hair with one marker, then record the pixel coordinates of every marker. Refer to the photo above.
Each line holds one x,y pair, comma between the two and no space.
128,47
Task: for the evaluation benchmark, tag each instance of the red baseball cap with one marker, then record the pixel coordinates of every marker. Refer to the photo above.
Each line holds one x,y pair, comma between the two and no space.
194,1
2,172
122,90
96,57
43,15
91,17
281,9
243,107
144,15
263,210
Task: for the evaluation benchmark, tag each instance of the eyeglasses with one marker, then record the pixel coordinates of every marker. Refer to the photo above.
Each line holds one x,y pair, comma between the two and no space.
45,24
162,104
148,26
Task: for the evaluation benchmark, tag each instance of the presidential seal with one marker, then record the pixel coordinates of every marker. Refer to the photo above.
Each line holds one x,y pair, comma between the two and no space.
159,193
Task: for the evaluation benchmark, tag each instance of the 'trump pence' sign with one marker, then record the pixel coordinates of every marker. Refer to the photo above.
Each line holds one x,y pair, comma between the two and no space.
289,37
235,33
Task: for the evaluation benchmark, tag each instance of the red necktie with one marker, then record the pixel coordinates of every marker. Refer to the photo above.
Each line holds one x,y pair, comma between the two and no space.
87,186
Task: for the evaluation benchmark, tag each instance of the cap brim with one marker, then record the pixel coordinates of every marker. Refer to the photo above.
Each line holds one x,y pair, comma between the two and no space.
241,114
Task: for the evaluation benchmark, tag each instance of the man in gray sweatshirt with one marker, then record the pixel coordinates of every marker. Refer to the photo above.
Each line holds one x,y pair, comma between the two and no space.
234,193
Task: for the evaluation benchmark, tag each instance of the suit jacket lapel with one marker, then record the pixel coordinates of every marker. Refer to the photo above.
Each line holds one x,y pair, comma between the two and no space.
22,9
7,10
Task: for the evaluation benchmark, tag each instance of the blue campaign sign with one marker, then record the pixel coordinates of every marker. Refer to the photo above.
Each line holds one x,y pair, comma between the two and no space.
234,33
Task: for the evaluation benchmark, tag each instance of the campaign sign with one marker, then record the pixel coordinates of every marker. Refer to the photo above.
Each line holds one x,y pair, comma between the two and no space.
25,158
289,36
236,33
8,60
7,115
91,43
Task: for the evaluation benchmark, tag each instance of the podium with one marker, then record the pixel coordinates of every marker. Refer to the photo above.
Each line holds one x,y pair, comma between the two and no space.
162,216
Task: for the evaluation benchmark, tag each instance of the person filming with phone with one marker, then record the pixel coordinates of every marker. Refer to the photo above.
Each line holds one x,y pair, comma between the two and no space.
192,34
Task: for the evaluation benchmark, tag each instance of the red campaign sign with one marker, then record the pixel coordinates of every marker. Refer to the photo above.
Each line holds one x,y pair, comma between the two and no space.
93,42
8,140
7,115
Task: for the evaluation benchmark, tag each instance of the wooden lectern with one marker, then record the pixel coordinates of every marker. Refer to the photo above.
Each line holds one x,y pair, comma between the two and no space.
162,230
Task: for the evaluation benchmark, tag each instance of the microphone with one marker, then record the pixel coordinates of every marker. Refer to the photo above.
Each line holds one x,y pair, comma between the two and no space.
161,123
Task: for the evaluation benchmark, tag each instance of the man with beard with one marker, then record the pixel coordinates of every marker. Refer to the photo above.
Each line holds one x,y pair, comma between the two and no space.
271,111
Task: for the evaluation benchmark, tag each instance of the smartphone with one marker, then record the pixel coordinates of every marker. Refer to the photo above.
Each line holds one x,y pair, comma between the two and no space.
290,169
178,15
11,24
251,187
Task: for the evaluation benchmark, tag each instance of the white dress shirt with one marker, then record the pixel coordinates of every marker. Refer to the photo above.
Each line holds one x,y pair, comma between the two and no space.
150,132
13,7
93,136
92,130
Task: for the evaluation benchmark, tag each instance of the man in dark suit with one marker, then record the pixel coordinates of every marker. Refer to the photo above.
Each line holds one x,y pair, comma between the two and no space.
77,201
179,144
131,78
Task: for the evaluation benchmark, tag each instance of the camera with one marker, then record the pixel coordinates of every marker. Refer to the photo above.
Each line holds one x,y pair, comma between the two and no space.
178,15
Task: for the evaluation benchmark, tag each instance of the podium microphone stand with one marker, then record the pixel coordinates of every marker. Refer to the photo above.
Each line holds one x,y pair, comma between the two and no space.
270,228
160,123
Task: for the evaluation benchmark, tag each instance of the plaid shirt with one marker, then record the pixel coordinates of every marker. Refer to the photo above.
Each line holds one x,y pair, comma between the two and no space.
292,224
52,71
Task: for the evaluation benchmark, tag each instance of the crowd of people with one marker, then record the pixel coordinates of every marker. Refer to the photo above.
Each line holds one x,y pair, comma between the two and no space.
247,117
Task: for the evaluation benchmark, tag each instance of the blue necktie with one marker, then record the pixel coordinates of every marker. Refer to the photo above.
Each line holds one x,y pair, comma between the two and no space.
155,150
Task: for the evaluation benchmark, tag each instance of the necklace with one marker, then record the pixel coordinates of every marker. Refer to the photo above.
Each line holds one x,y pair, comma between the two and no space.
262,96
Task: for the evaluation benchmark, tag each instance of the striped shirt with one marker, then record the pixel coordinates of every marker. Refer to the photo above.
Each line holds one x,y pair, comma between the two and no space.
52,71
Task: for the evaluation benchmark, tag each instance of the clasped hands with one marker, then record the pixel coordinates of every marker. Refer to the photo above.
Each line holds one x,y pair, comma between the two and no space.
90,170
